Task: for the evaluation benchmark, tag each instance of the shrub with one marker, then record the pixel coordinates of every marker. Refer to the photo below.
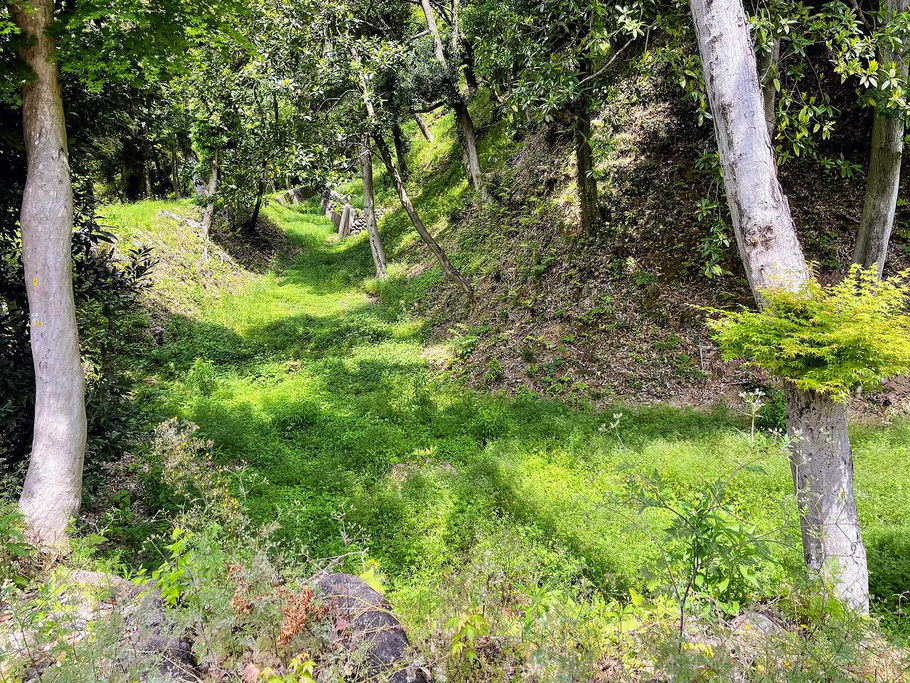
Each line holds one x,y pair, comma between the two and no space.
826,339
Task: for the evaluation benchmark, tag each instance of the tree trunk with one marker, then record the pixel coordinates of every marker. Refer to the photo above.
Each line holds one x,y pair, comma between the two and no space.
400,150
52,492
437,250
469,145
463,118
386,156
470,75
766,237
133,170
175,171
427,133
209,211
767,72
822,467
147,179
257,207
883,177
366,169
199,183
584,165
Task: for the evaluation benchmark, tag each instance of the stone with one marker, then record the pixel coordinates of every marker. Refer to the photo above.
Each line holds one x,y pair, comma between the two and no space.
751,633
363,619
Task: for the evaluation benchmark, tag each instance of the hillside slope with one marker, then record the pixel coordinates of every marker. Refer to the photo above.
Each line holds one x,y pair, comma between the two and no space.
617,316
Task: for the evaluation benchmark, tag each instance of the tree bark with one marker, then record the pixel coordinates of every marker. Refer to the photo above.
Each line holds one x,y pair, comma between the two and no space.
427,133
437,250
820,454
52,492
199,184
584,167
470,76
469,145
366,170
175,174
767,71
257,207
883,177
209,212
400,151
822,465
463,119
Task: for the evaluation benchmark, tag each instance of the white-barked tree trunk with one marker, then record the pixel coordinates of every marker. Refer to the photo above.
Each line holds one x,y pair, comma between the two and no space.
52,492
821,459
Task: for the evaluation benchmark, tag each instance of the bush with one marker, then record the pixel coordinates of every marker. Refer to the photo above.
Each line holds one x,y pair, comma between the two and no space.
826,339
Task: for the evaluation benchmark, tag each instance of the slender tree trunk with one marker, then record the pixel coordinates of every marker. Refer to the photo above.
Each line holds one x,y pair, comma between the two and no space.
767,72
427,133
437,250
469,145
366,170
209,211
257,207
584,165
52,492
383,149
820,453
175,174
199,183
463,119
470,75
400,151
883,177
147,179
133,170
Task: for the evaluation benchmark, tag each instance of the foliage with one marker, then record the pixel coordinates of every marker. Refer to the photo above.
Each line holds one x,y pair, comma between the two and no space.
709,555
15,550
826,339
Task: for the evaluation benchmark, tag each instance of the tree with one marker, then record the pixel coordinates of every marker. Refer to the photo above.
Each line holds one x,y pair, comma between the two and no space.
821,458
366,168
467,136
52,492
385,154
555,55
884,172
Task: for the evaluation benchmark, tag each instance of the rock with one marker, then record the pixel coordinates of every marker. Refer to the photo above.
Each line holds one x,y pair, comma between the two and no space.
146,641
752,633
196,225
150,629
363,619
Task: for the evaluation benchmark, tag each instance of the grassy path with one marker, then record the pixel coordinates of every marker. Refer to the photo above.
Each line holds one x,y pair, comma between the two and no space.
333,399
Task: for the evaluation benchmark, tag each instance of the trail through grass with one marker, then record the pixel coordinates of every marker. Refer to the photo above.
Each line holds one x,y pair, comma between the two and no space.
332,400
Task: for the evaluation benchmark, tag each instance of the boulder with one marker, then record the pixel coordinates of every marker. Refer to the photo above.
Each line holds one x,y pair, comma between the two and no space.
146,642
363,621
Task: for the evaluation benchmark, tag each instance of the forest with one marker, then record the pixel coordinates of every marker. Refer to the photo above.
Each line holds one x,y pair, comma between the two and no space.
454,340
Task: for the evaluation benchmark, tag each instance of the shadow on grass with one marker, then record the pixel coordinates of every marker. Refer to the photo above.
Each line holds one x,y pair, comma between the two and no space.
333,404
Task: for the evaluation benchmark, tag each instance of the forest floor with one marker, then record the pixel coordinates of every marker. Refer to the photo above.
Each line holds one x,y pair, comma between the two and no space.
344,421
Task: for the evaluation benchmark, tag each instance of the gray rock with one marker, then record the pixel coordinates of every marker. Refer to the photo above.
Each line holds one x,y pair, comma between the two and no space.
363,619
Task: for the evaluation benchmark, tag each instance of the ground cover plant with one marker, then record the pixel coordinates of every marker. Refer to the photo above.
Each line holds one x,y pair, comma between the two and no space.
474,342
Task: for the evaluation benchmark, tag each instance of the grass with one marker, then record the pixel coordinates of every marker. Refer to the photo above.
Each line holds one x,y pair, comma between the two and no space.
334,401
